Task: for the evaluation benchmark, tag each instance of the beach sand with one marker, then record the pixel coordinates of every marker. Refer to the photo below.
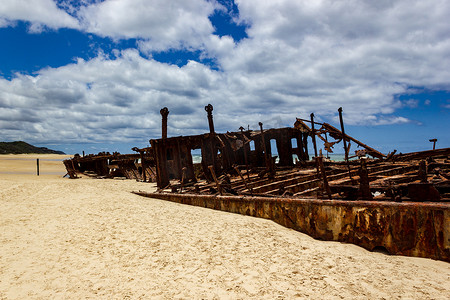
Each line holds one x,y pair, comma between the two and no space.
92,238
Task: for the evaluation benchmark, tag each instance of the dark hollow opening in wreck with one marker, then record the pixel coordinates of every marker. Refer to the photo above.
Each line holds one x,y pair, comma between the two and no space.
381,249
169,154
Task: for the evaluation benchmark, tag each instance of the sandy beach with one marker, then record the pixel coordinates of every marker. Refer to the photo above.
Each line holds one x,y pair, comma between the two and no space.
91,238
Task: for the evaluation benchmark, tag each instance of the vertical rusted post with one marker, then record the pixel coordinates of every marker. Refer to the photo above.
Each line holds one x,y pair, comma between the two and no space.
434,143
344,139
159,151
245,152
37,165
266,154
183,178
209,109
364,182
164,113
423,171
143,165
301,150
305,145
313,135
319,161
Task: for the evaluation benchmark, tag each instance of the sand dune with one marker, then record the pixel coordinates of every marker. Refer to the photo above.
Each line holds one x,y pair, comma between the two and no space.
89,238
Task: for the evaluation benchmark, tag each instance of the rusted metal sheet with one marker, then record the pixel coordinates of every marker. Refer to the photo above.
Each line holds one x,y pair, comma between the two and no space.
444,152
225,151
413,229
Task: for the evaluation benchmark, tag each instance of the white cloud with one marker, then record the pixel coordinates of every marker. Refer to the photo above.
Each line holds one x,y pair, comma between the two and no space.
160,24
319,55
299,57
40,13
106,100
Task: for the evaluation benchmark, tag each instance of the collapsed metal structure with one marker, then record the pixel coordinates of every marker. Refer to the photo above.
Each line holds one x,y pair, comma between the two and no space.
247,163
105,165
397,202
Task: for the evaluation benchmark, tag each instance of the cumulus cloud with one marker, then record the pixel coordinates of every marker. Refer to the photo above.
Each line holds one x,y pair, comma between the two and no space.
319,55
106,100
299,57
40,13
160,24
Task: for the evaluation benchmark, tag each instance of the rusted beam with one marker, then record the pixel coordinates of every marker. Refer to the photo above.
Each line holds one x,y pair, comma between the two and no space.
244,148
386,171
326,187
284,182
304,120
371,150
364,182
313,135
243,179
422,173
421,154
213,174
344,139
267,156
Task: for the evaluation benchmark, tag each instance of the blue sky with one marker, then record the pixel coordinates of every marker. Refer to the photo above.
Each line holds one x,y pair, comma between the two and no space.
92,75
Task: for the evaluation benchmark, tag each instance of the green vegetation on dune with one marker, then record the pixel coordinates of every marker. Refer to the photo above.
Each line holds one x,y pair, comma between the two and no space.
20,147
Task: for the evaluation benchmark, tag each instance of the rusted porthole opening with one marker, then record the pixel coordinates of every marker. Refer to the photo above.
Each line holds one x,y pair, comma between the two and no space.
381,249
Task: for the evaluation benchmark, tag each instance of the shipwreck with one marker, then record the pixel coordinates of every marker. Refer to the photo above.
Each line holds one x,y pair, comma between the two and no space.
397,203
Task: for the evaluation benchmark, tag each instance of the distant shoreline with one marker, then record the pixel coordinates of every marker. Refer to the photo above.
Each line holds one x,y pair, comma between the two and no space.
21,147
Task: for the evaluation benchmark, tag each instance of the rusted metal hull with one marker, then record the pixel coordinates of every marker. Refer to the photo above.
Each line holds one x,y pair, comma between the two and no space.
371,200
412,229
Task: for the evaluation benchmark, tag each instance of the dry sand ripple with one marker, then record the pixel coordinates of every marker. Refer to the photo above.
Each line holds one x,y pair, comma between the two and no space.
88,238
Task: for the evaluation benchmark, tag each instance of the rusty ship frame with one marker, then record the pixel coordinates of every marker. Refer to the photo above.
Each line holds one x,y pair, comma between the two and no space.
397,203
